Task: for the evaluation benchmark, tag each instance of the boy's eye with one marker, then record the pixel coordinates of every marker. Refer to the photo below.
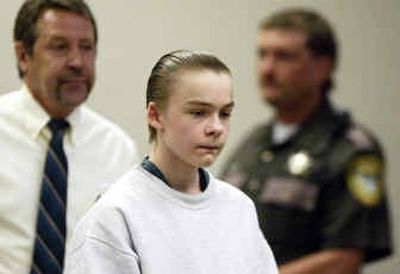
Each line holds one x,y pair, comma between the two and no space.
197,113
225,114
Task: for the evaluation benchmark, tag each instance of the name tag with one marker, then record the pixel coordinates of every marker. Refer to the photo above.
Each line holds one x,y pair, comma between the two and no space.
290,193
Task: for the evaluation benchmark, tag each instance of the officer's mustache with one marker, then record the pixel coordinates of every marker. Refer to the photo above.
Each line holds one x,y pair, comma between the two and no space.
268,80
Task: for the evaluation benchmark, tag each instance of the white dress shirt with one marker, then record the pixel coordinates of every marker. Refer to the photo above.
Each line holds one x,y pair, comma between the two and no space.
98,152
281,132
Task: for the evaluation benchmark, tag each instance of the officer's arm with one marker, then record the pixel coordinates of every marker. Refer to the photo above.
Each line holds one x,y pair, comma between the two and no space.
348,261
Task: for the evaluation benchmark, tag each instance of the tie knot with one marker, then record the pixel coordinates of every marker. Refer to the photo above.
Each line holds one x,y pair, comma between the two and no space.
57,125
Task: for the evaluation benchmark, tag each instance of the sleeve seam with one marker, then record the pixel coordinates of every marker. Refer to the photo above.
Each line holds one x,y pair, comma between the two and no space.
106,243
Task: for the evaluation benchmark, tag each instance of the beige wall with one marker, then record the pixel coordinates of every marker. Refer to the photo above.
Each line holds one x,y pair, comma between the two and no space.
133,34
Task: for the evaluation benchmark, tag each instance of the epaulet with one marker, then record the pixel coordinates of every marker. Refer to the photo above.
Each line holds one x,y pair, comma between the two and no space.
360,137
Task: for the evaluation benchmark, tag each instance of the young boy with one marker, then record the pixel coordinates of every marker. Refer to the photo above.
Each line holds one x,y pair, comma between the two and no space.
169,215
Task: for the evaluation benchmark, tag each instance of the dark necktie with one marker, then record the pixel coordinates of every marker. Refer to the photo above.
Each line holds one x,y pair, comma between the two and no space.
48,254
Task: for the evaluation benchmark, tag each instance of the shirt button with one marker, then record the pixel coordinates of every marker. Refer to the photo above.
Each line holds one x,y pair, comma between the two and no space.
267,156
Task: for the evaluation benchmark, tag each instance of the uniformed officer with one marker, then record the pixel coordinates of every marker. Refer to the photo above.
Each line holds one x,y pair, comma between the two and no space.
317,177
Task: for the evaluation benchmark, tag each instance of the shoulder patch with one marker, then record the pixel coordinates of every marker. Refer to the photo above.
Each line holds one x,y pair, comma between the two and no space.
359,137
365,180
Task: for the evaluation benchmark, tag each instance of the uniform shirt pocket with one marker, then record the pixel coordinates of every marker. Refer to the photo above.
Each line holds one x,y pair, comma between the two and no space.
289,192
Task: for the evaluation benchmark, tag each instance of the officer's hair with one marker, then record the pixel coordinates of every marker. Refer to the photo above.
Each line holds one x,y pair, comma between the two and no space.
25,27
166,70
321,39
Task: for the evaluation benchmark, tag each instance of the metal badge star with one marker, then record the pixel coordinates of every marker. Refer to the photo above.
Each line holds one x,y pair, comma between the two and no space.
299,163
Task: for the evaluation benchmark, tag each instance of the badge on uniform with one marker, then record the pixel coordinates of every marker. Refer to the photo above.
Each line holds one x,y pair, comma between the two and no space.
299,163
365,179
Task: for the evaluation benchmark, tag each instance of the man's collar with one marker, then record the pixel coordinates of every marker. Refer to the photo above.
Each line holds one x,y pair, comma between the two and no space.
36,118
74,120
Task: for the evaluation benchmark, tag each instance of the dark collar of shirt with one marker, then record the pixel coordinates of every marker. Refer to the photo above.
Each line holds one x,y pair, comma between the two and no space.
153,169
319,128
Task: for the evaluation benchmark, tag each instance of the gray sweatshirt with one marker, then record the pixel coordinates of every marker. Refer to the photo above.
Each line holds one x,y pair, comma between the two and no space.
143,226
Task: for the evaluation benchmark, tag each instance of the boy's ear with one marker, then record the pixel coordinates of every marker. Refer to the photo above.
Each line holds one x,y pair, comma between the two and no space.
22,56
153,116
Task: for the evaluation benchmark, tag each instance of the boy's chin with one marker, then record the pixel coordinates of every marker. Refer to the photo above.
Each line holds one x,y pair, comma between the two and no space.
207,161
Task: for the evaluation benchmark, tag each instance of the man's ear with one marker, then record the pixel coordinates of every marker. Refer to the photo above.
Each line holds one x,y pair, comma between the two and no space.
154,116
324,67
22,56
